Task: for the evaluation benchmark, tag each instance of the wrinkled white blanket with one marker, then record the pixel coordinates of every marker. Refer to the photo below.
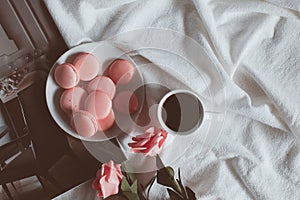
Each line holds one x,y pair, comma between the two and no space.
257,45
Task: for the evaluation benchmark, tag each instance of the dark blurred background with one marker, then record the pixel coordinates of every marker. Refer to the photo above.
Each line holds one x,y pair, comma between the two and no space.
38,160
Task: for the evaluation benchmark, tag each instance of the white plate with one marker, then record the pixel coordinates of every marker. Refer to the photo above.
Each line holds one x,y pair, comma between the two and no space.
106,54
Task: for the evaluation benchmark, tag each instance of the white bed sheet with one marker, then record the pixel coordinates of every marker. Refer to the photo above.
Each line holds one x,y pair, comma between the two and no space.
257,47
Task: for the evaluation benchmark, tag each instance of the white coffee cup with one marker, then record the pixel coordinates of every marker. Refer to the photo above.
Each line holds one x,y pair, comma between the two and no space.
180,112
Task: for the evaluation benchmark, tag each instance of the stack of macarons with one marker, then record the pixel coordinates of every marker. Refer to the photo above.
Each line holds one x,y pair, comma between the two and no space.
90,98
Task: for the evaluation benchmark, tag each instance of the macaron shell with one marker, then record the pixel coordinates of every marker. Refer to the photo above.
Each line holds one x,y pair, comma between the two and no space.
98,104
106,123
73,99
66,76
84,123
103,84
126,102
87,65
121,71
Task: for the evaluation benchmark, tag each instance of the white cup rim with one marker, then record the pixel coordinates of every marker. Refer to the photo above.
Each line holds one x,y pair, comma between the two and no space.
160,109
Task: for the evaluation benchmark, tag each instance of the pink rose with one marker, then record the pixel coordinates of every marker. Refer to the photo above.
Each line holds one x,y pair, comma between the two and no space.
150,143
108,179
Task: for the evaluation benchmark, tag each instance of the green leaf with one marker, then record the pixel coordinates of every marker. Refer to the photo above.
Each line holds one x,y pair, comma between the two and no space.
159,162
131,177
182,189
174,195
165,176
142,196
183,192
134,188
142,193
171,171
125,185
191,194
179,175
128,169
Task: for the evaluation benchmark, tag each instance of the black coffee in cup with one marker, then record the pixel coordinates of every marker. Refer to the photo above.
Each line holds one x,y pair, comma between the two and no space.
182,112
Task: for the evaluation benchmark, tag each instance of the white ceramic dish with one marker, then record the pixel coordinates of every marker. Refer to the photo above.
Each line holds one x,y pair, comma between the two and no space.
106,54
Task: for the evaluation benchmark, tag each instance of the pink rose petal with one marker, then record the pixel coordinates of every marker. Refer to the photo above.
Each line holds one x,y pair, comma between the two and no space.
108,179
150,143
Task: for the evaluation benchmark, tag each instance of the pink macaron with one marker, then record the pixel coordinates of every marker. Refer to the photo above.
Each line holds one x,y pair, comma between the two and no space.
98,104
87,65
106,123
73,99
84,123
121,71
103,84
126,102
66,75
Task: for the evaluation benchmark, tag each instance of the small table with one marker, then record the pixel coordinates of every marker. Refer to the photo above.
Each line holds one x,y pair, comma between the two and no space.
3,131
82,191
5,135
